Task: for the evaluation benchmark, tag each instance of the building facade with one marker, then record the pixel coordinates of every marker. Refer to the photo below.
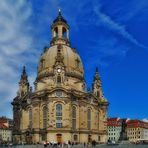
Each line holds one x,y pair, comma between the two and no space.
6,125
114,128
137,130
117,129
5,133
59,108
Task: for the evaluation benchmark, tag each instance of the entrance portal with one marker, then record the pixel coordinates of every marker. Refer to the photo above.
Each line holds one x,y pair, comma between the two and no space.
75,138
59,138
89,138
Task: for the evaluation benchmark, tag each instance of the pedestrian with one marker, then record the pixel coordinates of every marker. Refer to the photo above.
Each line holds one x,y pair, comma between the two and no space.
45,143
84,144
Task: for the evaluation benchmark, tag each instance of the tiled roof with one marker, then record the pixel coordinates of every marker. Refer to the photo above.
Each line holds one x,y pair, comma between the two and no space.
113,122
3,120
137,123
2,126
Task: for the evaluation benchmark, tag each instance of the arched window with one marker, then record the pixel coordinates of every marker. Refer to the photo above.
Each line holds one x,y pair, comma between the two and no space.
98,94
64,33
59,79
58,116
56,32
89,119
45,113
30,118
74,117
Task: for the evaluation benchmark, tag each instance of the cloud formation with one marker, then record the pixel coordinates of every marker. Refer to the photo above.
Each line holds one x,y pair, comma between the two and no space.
115,26
15,41
25,26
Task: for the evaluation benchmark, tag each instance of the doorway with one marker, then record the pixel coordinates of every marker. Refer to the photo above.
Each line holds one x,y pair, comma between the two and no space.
89,138
59,138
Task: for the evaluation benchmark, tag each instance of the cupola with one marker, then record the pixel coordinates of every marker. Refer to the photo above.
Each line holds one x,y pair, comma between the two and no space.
60,31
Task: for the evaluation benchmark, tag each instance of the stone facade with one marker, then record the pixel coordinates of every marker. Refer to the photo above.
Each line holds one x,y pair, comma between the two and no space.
60,108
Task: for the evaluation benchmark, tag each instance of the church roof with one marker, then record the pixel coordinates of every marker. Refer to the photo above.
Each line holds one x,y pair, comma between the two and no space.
3,126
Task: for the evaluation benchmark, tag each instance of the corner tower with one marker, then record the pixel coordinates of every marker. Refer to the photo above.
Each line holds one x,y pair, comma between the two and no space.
23,84
96,86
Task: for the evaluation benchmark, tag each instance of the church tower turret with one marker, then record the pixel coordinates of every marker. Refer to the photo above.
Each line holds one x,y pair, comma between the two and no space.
23,84
60,31
96,86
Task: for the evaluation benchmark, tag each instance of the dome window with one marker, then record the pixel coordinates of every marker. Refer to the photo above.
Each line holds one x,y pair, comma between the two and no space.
42,64
58,79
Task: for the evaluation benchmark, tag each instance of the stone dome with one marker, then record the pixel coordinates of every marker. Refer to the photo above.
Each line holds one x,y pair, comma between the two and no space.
60,56
71,60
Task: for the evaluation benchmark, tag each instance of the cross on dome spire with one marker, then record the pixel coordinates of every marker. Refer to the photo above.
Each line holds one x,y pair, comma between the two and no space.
59,11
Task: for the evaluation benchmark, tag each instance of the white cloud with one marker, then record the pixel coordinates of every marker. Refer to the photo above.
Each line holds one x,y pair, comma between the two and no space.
145,120
15,40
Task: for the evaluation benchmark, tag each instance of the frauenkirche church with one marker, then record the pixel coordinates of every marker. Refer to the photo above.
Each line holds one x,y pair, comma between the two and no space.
59,108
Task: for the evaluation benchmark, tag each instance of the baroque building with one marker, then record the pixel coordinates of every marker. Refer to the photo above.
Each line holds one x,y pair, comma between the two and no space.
59,108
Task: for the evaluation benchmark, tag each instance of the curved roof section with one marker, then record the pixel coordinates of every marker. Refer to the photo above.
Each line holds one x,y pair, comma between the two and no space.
60,18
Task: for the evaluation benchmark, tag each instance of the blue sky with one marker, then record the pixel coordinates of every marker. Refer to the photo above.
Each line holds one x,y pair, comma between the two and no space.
109,34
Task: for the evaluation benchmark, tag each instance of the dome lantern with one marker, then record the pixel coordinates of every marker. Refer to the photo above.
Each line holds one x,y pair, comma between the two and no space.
60,31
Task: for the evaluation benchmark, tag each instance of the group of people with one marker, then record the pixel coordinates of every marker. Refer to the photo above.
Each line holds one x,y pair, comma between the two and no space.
68,144
59,144
93,143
